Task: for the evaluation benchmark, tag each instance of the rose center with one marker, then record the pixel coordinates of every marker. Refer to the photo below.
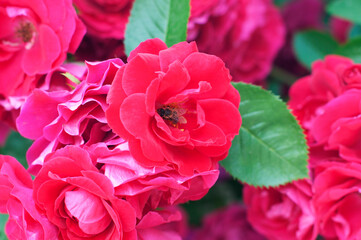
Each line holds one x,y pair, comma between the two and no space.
25,31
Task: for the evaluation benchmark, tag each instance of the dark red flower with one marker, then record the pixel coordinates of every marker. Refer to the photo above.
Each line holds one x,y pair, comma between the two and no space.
245,34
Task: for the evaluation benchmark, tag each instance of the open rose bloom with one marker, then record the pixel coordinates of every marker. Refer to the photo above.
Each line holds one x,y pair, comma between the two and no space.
35,38
42,30
166,111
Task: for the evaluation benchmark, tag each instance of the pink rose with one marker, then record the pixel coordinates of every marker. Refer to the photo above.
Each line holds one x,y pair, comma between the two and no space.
245,34
229,223
148,188
337,201
52,81
25,221
339,125
40,30
64,117
327,105
104,18
282,213
166,111
329,79
65,188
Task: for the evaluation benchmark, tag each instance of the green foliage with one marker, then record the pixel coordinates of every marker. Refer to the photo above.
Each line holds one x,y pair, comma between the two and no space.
347,9
355,31
351,49
312,45
270,149
3,220
16,146
164,19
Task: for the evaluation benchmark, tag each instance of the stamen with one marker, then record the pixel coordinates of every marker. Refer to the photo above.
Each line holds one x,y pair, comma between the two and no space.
25,31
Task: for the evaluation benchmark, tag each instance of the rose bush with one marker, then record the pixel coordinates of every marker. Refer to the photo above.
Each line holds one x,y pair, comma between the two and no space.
43,30
166,111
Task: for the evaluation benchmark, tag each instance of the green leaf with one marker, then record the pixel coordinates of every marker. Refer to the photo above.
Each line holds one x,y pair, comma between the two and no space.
270,149
71,77
280,3
3,220
164,19
16,146
352,50
347,9
312,45
355,31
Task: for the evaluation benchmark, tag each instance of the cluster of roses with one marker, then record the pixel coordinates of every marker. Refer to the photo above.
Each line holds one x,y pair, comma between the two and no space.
90,183
327,104
245,34
116,145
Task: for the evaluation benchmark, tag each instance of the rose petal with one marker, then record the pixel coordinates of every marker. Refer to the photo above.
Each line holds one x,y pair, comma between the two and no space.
177,52
152,46
135,81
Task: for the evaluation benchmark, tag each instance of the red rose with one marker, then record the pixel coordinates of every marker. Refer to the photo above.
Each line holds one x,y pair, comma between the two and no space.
280,213
337,201
174,106
44,30
79,200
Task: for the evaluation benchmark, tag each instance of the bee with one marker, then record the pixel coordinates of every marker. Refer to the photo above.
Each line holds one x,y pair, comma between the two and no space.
172,114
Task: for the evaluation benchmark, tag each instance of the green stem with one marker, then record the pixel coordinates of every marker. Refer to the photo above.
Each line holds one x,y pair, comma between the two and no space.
283,76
